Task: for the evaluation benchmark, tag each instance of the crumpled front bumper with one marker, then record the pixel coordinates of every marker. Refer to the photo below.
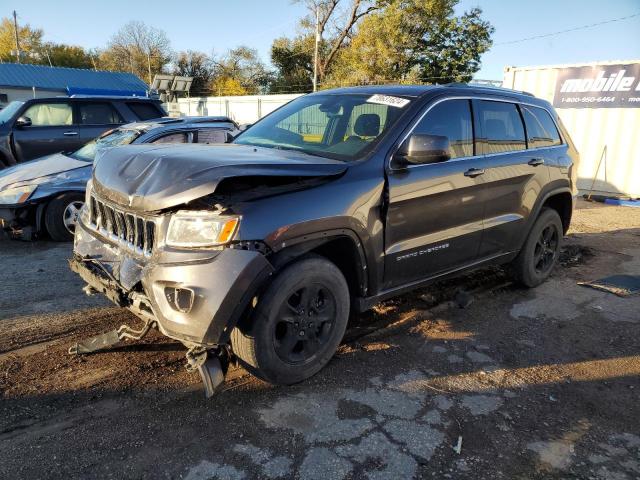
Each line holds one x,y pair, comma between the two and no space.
196,297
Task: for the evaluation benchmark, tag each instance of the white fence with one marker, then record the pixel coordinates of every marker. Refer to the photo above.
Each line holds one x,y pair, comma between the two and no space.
242,109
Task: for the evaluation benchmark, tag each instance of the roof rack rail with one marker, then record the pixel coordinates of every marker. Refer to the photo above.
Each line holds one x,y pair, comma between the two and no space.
113,96
486,87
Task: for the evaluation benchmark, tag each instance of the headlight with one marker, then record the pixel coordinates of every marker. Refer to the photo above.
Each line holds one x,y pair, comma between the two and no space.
17,195
85,213
200,229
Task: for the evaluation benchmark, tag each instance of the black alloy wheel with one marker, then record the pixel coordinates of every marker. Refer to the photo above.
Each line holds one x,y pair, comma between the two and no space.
306,321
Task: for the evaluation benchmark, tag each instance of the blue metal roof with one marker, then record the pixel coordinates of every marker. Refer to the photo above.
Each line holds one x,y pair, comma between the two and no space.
57,78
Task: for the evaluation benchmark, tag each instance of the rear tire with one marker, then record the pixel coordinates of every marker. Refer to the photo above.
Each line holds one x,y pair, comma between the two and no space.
297,324
540,253
61,216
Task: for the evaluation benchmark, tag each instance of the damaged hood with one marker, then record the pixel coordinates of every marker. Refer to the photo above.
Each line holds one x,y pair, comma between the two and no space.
36,170
154,177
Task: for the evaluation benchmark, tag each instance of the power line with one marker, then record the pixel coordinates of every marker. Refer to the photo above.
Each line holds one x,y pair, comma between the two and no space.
568,30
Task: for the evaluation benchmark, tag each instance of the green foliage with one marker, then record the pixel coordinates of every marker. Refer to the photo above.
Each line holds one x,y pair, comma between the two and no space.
30,39
451,52
62,55
293,60
239,72
405,41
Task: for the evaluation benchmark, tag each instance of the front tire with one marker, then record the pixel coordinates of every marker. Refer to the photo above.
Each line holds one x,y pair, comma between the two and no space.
61,216
297,324
540,253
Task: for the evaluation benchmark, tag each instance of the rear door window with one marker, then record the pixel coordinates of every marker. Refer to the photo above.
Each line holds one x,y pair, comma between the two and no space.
541,130
451,119
98,114
502,128
50,114
145,110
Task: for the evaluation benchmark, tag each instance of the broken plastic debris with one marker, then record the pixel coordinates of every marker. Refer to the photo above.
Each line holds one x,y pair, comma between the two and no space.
458,447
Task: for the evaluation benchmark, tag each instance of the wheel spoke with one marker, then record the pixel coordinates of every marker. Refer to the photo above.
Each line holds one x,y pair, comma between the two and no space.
70,215
305,323
310,298
288,341
537,254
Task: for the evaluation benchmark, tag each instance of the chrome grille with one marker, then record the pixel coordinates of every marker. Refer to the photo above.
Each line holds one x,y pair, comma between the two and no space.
132,231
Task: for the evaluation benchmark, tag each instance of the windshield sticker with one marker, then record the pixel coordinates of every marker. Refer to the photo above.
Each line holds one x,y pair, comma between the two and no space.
388,100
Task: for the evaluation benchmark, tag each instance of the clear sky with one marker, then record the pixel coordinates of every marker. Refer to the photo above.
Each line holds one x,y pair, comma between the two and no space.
219,25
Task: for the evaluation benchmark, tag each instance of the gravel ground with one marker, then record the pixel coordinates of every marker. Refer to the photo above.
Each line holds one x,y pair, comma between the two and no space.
473,378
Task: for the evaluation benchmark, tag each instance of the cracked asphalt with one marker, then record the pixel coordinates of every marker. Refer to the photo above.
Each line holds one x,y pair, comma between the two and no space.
472,378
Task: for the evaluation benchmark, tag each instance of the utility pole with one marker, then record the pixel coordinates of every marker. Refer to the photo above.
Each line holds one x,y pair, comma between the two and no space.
15,30
149,65
315,53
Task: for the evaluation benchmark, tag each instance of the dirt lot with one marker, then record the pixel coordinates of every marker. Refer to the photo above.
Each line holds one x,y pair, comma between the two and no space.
542,383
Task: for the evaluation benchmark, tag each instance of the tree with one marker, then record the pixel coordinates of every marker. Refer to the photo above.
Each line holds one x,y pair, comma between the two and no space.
332,33
30,39
239,72
137,48
293,60
197,65
337,22
415,41
451,53
61,55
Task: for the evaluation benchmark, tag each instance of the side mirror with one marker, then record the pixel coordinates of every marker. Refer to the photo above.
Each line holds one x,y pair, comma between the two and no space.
420,149
23,122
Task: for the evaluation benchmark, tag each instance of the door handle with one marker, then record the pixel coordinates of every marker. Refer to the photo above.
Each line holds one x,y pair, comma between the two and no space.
534,162
474,172
70,134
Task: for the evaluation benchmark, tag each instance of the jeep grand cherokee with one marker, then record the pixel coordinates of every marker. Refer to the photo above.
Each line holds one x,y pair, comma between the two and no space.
340,199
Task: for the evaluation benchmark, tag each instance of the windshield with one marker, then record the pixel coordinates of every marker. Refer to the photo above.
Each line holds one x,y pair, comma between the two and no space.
112,139
9,111
343,127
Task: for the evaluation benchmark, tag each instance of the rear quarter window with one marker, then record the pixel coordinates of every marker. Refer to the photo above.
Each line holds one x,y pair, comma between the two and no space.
145,110
541,129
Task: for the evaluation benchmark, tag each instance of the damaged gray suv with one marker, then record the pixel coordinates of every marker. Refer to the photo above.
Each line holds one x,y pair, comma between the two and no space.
260,250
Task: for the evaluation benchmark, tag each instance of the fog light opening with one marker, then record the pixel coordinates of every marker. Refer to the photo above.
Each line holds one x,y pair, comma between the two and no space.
180,299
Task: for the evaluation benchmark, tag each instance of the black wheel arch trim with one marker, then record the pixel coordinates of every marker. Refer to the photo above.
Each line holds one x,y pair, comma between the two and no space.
535,213
296,247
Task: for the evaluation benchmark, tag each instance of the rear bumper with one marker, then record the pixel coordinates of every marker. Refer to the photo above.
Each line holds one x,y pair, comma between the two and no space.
197,301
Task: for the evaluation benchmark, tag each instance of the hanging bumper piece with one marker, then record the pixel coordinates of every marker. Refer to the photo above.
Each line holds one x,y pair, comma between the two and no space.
109,339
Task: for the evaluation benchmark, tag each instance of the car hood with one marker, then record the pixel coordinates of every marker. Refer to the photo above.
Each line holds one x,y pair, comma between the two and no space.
35,170
150,178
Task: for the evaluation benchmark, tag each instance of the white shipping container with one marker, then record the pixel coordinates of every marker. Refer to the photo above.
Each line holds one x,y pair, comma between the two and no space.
606,137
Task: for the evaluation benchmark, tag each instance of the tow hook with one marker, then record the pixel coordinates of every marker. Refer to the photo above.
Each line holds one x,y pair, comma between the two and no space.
212,365
109,339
